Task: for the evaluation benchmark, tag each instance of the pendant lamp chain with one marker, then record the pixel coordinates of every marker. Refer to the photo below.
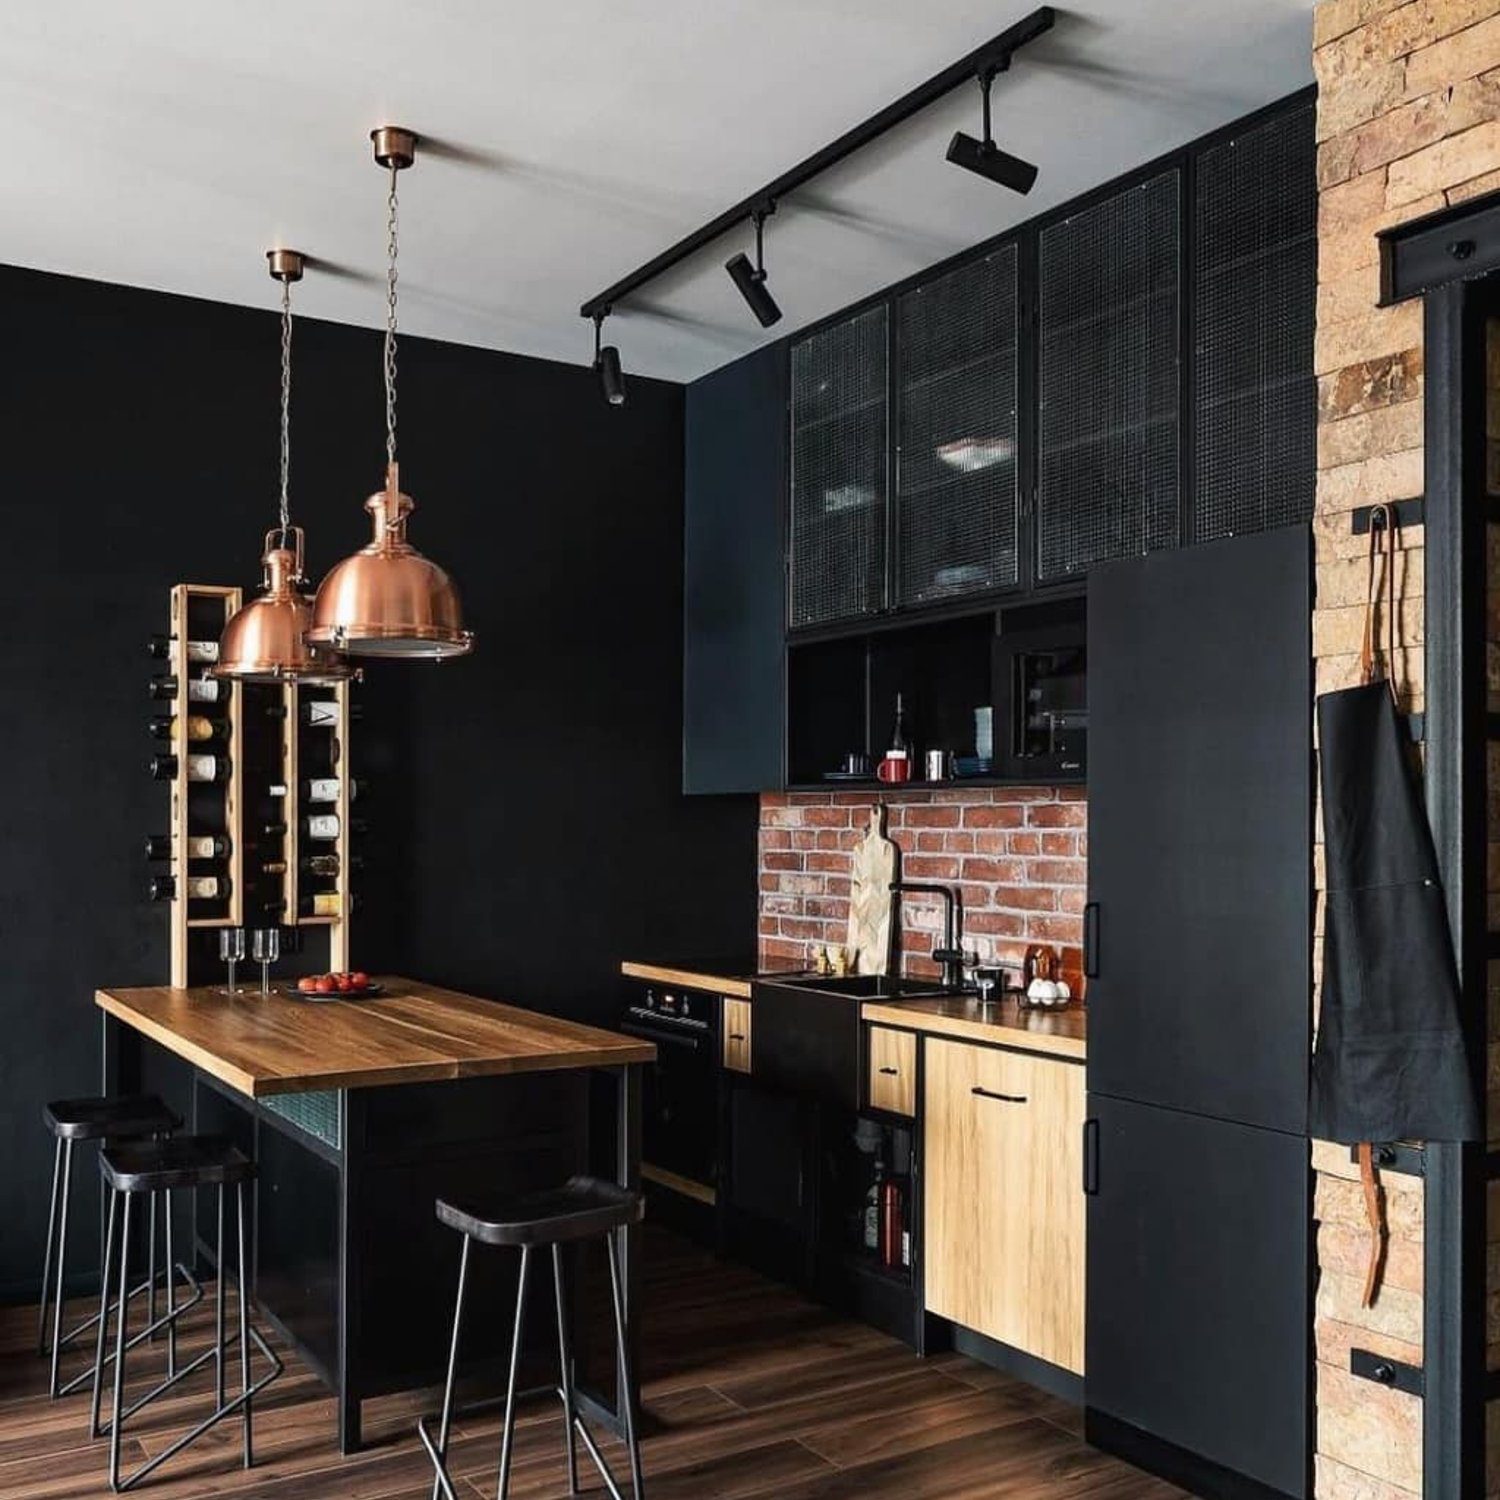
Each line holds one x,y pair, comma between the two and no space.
390,324
286,404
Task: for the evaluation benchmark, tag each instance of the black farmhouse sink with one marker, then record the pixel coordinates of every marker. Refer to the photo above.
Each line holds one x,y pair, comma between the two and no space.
807,1030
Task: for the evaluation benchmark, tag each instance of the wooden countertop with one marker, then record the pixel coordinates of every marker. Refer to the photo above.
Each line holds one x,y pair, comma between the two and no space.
703,977
1060,1033
414,1033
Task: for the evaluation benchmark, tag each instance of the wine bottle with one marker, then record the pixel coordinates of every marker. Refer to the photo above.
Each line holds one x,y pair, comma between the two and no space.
199,768
273,830
199,846
326,789
199,689
197,887
319,904
321,712
273,867
900,734
160,647
321,826
199,728
327,866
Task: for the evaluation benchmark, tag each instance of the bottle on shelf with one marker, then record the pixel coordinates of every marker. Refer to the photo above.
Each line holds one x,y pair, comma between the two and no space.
199,846
321,826
199,689
872,1210
327,865
195,887
890,1223
160,647
316,904
199,767
326,789
275,830
199,728
320,712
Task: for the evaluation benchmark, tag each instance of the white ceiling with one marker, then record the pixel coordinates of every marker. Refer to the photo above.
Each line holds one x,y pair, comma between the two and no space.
168,143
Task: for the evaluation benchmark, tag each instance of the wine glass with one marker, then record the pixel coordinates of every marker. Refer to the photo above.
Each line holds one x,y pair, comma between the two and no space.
232,952
265,949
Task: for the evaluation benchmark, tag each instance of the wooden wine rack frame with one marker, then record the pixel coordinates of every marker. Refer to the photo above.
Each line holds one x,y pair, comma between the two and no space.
293,697
338,935
229,600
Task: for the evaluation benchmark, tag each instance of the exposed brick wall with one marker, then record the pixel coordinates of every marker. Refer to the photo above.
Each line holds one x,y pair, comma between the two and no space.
1018,854
1408,122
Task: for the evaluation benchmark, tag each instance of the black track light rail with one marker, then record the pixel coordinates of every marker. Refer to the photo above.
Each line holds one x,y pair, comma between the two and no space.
993,57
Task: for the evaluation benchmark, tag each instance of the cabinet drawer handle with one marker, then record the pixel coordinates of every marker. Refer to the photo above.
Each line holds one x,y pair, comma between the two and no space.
1004,1098
893,1072
736,1036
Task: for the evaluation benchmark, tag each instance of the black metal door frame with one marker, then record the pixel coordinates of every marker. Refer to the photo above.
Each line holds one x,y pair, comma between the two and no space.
1433,257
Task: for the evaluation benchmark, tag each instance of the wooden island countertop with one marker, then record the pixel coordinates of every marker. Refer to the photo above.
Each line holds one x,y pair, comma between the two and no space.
413,1033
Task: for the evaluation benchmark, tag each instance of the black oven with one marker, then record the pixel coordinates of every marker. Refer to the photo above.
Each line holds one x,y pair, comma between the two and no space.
680,1092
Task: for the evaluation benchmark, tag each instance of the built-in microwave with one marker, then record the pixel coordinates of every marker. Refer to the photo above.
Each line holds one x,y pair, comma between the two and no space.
1041,679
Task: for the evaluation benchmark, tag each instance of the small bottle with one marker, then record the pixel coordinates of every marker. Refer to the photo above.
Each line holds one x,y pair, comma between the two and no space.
196,887
160,647
890,1223
900,734
199,846
199,689
872,1210
199,768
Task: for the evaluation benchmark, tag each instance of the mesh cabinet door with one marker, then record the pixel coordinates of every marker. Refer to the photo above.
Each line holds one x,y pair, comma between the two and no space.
1107,482
1255,293
838,481
956,453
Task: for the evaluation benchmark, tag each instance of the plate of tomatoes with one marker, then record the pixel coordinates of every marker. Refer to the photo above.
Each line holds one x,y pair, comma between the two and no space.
352,985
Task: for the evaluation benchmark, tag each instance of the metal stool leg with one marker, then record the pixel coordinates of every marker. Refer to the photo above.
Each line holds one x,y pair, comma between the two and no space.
510,1386
114,1430
41,1318
151,1265
219,1308
62,1264
627,1390
171,1288
109,1252
440,1450
565,1359
244,1328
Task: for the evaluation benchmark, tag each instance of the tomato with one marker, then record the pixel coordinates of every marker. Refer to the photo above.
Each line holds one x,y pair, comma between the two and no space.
361,979
324,984
342,983
307,984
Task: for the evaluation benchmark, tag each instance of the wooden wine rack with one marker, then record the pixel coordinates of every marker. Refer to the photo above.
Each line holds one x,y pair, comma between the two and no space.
234,802
187,613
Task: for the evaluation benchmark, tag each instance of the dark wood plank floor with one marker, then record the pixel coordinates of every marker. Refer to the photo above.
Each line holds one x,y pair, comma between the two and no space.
751,1390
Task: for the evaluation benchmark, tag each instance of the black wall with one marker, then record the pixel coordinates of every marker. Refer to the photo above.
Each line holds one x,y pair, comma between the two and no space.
528,829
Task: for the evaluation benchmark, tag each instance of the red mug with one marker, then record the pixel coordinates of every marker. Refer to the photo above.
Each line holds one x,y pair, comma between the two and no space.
894,768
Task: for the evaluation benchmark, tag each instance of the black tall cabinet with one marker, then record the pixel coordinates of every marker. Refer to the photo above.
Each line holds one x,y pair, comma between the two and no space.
1198,946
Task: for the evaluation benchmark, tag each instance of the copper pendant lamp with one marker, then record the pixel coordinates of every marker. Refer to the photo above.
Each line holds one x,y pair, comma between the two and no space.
387,599
266,641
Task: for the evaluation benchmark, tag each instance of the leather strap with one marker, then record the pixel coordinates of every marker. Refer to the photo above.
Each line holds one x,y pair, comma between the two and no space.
1375,1214
1383,543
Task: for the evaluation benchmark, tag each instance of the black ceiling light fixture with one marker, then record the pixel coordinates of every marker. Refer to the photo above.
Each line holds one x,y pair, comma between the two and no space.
751,280
607,363
985,157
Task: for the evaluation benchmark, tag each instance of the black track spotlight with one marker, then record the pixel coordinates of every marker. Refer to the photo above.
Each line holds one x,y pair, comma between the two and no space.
751,280
985,157
607,364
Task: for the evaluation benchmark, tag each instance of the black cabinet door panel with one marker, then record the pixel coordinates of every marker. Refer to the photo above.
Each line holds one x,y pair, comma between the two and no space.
1198,1306
1200,767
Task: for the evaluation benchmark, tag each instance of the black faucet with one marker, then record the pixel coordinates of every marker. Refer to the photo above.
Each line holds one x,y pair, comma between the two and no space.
951,955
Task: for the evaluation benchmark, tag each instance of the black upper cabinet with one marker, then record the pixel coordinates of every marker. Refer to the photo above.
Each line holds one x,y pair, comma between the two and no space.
1254,296
839,465
733,606
1108,380
956,454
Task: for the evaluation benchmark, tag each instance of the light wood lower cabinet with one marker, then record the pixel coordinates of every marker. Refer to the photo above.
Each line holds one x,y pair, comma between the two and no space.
892,1070
736,1025
1003,1202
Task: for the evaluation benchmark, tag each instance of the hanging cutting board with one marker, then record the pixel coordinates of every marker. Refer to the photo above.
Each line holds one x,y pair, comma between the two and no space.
876,860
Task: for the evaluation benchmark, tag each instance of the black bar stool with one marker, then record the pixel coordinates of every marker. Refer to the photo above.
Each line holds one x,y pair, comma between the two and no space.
166,1166
93,1119
582,1208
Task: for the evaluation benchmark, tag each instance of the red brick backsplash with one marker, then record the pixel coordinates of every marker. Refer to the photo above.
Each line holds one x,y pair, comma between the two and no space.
1018,854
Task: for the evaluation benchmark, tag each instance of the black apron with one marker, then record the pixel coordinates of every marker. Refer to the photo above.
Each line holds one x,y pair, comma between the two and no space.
1390,1062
